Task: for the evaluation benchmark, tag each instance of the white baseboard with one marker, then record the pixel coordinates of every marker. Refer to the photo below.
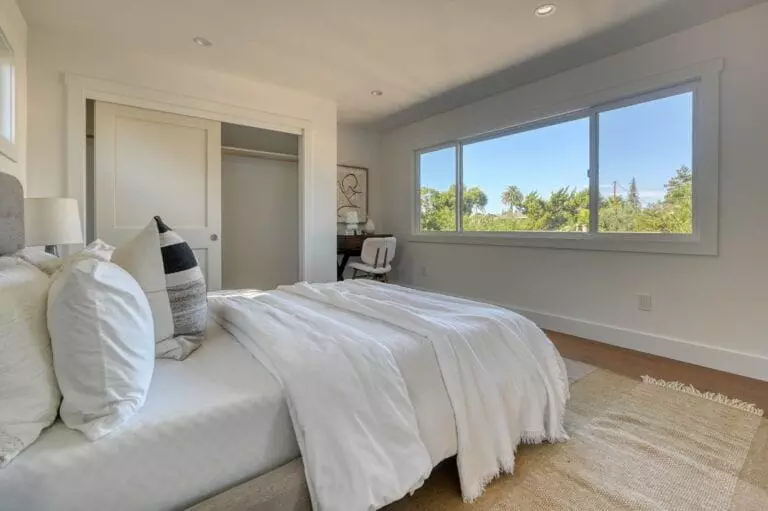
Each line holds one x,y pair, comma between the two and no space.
736,362
723,359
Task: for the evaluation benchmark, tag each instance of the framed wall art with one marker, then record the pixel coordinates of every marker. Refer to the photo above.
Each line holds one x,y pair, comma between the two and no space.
351,192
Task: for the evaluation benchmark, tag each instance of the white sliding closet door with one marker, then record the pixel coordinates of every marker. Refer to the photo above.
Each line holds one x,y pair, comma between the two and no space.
151,163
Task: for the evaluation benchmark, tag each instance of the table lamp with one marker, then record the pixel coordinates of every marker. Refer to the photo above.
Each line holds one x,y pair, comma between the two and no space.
352,222
52,221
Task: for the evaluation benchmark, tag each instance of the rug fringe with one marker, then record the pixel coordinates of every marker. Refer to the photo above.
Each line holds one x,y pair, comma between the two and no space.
711,396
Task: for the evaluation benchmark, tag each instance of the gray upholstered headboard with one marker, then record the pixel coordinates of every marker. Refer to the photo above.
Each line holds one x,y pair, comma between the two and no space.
11,214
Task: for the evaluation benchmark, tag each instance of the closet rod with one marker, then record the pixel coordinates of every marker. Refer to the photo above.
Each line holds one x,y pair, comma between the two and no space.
259,154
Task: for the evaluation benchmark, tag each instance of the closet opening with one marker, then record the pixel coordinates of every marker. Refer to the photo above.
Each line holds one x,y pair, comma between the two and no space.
260,207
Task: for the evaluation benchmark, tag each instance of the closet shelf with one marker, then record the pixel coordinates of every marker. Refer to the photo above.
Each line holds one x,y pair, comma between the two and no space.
259,154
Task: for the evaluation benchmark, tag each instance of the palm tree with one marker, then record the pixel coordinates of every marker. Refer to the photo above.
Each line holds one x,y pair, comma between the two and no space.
512,197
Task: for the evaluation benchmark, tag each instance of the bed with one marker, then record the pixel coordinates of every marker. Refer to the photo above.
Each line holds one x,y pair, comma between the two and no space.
210,423
314,396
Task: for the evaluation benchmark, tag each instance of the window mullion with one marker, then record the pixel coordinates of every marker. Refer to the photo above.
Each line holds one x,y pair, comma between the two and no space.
594,171
459,188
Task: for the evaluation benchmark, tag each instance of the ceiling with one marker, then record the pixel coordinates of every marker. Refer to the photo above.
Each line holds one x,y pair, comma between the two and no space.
427,56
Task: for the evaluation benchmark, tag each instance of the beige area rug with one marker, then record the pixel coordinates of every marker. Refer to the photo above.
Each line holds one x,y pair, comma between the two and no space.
633,445
577,370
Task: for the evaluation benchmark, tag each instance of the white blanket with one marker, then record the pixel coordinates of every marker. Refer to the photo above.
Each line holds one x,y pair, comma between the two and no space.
354,421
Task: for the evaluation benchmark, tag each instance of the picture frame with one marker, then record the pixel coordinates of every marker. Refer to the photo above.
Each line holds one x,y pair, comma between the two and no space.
351,192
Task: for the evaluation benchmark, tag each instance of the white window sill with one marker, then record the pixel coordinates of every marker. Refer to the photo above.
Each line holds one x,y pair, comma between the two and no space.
624,242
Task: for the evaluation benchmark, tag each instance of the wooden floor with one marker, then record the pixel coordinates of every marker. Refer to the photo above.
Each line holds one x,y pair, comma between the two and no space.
635,364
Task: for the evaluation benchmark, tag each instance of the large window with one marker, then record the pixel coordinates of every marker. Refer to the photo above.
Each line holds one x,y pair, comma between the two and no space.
625,168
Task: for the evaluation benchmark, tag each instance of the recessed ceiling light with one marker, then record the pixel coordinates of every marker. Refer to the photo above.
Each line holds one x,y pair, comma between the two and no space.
376,93
545,10
202,41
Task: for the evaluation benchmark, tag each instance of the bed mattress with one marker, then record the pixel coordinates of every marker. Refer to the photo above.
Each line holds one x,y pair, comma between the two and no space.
211,422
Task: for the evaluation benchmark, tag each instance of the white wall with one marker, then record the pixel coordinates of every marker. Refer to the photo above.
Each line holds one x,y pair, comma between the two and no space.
361,147
15,29
52,55
707,310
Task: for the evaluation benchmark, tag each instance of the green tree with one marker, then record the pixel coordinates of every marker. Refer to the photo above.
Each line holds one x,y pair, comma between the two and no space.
616,215
512,197
675,213
491,223
474,199
438,208
565,209
534,208
680,187
633,197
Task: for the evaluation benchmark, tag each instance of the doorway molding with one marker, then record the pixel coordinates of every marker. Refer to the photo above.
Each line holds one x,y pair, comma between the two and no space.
80,88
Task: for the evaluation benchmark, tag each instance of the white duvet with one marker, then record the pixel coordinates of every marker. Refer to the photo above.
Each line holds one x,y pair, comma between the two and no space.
354,419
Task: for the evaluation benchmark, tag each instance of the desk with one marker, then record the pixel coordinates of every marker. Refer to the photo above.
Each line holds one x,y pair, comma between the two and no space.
351,246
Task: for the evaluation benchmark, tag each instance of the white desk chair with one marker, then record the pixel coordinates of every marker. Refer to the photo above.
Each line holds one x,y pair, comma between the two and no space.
376,258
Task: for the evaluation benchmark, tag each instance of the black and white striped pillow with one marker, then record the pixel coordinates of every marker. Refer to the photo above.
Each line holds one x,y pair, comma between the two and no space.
166,268
185,284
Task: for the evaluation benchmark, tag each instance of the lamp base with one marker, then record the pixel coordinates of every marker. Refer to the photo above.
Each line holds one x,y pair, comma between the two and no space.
52,249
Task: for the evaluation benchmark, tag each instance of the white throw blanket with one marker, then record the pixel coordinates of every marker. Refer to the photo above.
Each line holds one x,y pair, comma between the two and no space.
354,421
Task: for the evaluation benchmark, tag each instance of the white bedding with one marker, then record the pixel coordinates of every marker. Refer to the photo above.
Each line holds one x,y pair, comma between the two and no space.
345,356
210,422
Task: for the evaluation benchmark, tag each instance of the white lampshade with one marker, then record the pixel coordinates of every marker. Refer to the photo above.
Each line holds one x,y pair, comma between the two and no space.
352,217
52,221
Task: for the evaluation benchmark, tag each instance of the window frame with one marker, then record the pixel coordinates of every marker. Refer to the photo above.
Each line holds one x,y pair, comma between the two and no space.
701,80
8,147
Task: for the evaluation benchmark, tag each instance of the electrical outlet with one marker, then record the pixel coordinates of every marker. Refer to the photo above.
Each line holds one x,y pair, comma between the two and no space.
423,271
644,302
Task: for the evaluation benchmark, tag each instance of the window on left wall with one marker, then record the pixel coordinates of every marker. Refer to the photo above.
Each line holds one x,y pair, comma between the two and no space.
7,99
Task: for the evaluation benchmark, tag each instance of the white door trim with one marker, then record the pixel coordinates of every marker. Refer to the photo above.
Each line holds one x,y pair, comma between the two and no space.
81,88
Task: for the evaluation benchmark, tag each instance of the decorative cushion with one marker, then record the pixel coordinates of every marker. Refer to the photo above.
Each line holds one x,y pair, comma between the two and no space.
103,342
167,270
29,396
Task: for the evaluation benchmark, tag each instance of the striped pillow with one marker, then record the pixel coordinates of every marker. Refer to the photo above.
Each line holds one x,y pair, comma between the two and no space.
167,270
185,283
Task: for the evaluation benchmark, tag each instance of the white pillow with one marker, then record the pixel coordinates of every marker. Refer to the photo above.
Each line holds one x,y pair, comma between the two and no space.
96,249
103,345
167,270
142,258
43,261
29,396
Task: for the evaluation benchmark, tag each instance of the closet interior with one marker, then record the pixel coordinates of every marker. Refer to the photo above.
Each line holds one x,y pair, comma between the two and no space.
259,207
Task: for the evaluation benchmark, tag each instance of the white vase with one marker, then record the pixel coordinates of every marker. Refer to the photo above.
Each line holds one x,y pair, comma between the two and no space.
370,227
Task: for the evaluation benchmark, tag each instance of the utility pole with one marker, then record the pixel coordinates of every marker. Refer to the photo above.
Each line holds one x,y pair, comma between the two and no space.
615,187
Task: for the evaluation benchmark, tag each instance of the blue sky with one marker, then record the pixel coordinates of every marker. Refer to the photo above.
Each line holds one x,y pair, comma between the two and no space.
648,141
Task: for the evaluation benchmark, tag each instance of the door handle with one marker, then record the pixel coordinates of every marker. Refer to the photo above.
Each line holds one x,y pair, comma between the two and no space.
214,237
